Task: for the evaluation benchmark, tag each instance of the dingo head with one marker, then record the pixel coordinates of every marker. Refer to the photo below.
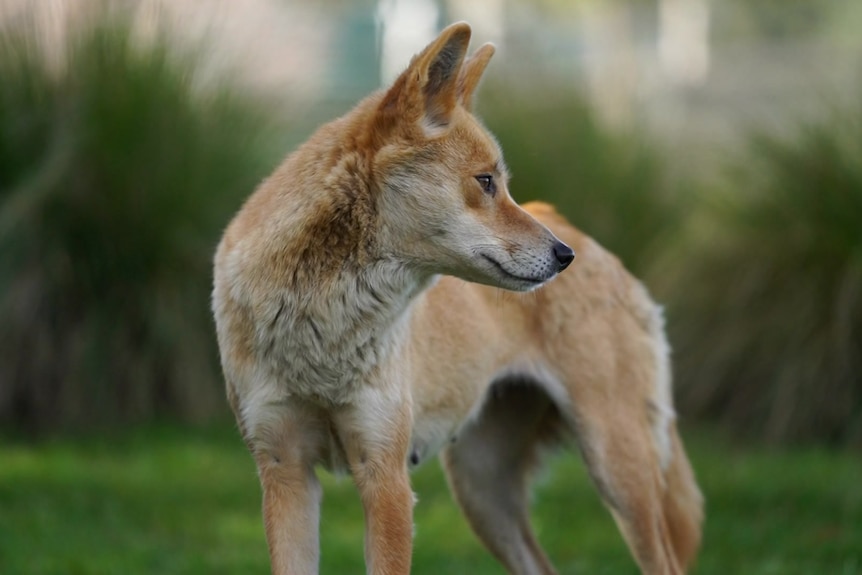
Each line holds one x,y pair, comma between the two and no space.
444,201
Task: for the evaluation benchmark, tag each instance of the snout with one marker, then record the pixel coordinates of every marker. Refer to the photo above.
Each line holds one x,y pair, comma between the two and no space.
563,255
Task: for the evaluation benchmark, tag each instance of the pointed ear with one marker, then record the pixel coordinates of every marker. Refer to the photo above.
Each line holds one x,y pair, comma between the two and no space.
471,73
427,92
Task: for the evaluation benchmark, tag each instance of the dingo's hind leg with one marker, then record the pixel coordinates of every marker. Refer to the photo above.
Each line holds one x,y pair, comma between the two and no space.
488,470
657,509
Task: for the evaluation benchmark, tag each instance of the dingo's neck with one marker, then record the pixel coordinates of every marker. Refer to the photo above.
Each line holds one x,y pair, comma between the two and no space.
324,343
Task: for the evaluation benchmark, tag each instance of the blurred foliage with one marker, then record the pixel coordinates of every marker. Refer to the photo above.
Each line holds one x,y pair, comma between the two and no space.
117,173
767,299
789,20
119,168
611,185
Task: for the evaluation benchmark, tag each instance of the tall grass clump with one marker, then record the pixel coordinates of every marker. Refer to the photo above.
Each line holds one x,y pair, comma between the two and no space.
767,311
117,173
611,184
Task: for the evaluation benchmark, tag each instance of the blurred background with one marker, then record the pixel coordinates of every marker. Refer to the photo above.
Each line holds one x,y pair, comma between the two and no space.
715,146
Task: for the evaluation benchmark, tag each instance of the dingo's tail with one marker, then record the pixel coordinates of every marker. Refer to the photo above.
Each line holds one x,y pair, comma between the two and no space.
683,504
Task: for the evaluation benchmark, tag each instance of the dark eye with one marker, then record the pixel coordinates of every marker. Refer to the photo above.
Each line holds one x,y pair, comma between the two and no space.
487,183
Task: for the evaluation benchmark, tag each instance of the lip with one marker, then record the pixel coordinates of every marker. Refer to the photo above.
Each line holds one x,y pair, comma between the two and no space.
499,266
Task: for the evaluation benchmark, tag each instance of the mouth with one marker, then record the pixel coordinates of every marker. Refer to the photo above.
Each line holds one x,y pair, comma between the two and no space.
527,280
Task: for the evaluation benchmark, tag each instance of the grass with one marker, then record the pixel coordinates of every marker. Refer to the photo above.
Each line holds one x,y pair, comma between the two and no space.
173,500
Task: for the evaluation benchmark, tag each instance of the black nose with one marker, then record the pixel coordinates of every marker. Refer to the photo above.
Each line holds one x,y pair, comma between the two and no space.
564,255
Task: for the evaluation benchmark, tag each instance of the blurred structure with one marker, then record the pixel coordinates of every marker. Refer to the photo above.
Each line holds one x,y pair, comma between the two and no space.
683,40
406,26
693,70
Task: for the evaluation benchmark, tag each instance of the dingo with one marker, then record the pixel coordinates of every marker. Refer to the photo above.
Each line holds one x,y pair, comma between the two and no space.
346,342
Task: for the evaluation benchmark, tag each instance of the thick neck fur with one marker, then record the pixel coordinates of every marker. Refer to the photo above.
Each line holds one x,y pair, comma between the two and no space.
325,343
343,301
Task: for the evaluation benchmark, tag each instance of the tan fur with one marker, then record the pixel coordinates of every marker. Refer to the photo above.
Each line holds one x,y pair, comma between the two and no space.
350,339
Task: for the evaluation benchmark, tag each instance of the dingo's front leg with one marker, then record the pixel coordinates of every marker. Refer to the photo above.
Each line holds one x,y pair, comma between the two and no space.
285,440
375,434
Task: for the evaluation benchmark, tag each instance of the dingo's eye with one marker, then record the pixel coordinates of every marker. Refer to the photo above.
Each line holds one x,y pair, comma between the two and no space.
487,183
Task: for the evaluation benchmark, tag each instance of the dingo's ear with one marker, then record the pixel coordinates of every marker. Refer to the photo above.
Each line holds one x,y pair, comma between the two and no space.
471,73
427,92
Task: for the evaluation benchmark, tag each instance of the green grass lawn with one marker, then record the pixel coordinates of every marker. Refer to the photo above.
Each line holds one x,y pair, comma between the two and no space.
168,500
